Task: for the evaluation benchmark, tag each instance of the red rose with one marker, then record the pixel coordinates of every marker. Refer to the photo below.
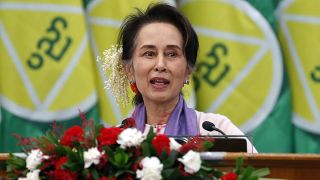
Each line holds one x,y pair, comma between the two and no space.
161,142
60,162
229,176
73,134
103,161
108,136
136,165
128,123
61,174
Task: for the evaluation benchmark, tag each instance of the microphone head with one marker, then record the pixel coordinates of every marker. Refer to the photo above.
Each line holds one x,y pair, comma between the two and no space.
209,126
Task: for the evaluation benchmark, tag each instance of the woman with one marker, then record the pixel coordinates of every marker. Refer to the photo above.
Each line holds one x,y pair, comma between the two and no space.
159,51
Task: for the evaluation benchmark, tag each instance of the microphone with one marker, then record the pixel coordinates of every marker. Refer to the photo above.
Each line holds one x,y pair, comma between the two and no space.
209,126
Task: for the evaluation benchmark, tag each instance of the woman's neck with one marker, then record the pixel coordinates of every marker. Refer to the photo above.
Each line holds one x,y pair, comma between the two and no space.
159,113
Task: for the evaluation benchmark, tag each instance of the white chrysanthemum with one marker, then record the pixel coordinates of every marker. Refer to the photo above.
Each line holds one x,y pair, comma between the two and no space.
117,80
151,169
32,175
35,158
92,156
174,145
130,137
191,162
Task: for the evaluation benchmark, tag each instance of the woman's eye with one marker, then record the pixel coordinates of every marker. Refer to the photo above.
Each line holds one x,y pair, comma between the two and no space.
149,54
172,54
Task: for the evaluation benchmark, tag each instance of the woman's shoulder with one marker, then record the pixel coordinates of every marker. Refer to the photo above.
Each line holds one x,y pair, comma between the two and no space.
220,121
215,118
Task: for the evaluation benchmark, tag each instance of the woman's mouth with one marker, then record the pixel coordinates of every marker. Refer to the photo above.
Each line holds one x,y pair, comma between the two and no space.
159,82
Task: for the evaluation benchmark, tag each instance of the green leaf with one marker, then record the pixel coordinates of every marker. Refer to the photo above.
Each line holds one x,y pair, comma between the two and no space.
207,145
172,173
170,161
261,172
150,135
246,173
95,174
146,149
120,158
168,173
52,138
109,151
206,168
18,162
239,165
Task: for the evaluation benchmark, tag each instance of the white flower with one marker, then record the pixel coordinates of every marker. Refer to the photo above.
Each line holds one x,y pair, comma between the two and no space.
130,137
92,156
174,145
32,175
35,158
191,162
151,169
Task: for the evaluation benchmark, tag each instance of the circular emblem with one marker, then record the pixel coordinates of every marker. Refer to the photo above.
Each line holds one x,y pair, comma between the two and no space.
239,68
299,23
46,68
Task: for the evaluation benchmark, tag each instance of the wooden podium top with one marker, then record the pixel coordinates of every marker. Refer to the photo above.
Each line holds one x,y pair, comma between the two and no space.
283,166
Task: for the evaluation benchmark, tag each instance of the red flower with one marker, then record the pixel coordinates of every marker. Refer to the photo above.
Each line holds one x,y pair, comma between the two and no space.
161,142
229,176
136,165
73,134
61,174
108,136
195,144
128,123
60,162
103,161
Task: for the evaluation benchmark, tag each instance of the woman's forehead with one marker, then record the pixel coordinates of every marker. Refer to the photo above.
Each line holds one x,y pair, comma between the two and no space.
158,34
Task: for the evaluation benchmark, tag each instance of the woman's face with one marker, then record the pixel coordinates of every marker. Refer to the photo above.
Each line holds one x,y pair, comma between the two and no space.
159,66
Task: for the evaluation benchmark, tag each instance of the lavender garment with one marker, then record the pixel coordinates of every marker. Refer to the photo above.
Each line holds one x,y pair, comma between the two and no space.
182,121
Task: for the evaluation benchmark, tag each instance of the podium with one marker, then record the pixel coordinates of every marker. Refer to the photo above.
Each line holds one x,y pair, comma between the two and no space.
282,166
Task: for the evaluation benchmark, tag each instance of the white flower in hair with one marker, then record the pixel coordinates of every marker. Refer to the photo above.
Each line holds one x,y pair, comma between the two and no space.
117,80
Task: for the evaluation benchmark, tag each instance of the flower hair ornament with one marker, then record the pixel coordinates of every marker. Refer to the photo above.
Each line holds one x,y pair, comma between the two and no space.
114,71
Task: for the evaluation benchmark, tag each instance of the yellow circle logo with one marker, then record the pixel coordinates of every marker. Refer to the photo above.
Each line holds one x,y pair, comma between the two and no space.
46,68
239,68
299,23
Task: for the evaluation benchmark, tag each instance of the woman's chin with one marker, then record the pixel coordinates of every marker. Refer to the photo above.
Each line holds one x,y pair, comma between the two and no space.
163,98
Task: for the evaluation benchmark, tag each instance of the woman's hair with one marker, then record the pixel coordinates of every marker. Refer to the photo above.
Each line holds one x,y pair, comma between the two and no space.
157,13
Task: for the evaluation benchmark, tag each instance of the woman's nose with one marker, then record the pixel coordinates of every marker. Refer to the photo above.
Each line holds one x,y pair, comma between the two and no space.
160,64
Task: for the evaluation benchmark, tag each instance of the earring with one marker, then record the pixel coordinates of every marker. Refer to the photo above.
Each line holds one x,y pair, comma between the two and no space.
133,87
186,81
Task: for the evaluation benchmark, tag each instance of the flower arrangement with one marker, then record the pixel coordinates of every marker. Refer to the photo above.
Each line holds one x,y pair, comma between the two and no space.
96,152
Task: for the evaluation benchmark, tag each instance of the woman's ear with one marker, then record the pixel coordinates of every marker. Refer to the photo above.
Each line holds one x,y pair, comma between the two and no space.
129,71
188,71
